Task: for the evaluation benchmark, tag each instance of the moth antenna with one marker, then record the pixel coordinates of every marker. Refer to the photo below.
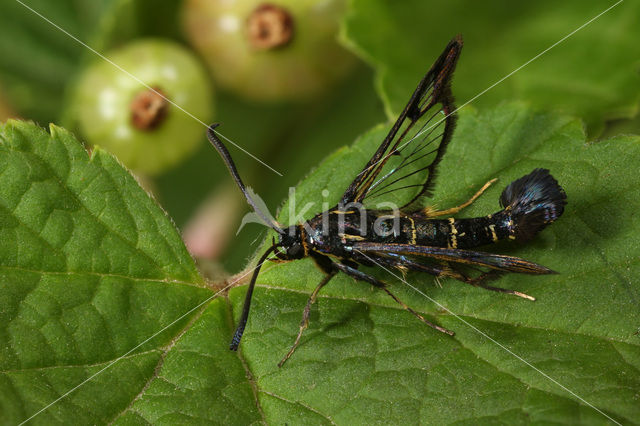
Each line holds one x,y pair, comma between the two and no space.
228,161
235,341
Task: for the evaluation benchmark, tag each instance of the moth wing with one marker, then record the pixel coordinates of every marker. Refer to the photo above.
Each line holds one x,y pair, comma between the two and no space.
406,162
493,261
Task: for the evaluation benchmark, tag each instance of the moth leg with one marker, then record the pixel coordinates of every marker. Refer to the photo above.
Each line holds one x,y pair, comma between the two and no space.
491,275
482,279
305,316
448,269
361,276
455,210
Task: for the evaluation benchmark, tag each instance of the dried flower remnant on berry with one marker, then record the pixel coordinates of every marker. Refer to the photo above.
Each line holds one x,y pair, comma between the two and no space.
269,27
149,108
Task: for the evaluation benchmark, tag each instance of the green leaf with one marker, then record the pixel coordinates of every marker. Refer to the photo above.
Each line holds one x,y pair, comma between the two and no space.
365,359
91,270
592,74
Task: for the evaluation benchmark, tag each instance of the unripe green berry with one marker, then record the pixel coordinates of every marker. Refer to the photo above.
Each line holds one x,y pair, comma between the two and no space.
137,123
275,50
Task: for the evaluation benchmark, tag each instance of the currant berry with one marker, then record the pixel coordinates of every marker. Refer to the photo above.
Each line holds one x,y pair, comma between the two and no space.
143,124
280,50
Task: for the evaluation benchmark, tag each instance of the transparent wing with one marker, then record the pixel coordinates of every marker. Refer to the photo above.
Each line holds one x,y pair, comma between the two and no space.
405,163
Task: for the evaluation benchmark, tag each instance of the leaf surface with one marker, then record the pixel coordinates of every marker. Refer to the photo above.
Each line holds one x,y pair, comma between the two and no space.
593,73
91,270
94,280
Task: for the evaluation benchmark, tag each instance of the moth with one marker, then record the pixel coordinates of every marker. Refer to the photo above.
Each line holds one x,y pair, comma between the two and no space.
411,237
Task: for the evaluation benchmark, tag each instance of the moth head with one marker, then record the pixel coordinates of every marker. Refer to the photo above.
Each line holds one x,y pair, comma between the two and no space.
291,243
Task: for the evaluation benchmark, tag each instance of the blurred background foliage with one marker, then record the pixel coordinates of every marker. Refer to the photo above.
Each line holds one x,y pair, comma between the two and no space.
384,47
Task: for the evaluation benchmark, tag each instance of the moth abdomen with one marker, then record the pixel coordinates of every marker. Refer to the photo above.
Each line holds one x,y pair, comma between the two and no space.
533,202
529,204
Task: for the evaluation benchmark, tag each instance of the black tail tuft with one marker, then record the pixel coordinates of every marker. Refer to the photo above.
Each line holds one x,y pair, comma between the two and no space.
534,200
